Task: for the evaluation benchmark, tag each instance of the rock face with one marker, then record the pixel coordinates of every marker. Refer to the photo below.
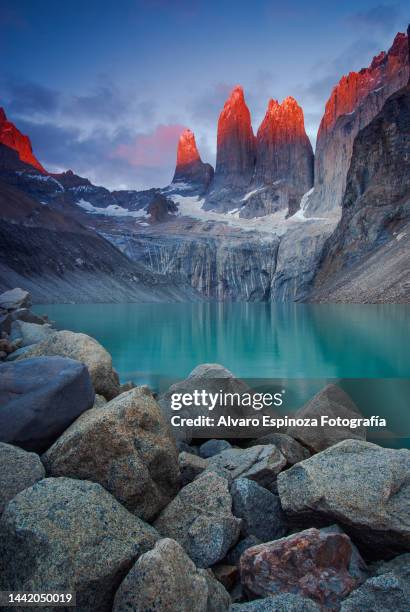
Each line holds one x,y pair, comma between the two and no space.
235,156
310,564
63,535
366,259
353,103
213,447
359,485
11,137
388,589
87,350
165,578
284,153
190,169
30,333
201,520
126,447
18,471
190,466
40,398
259,509
333,402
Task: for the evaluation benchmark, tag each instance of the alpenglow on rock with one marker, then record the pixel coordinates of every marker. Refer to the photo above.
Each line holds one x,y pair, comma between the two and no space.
353,103
284,153
190,170
11,137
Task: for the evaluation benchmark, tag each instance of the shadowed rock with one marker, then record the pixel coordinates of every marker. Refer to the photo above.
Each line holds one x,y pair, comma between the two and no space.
18,471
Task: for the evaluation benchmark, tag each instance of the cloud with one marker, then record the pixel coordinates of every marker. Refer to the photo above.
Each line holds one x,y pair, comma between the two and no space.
152,150
27,98
205,108
382,17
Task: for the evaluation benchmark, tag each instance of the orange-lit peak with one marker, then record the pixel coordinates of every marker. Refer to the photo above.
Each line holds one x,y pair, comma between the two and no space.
353,88
187,150
283,118
235,113
11,137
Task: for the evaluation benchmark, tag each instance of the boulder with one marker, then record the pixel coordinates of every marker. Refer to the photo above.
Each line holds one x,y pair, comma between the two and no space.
126,447
212,378
85,349
219,599
387,590
15,298
259,463
310,564
363,487
40,398
70,535
290,448
190,466
30,333
213,447
226,574
201,520
259,509
25,314
333,402
285,602
164,578
18,471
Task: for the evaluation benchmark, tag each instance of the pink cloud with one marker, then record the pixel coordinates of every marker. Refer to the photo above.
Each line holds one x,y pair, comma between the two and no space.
153,150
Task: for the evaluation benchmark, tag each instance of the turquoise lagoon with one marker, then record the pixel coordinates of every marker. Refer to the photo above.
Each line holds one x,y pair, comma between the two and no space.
302,346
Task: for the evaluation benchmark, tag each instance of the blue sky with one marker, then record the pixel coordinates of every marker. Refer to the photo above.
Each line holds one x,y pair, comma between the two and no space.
105,88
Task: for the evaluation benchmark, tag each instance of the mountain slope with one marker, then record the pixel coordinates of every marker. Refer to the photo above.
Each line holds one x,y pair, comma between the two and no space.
367,259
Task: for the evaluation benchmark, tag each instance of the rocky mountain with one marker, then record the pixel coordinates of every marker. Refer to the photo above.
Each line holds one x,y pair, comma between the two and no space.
11,137
190,172
367,258
260,175
235,156
353,103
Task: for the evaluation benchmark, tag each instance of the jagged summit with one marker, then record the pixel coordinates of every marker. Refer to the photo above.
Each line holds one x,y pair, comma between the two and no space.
235,157
283,150
190,169
11,137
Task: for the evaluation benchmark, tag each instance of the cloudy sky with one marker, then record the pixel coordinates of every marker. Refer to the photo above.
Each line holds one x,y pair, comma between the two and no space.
106,87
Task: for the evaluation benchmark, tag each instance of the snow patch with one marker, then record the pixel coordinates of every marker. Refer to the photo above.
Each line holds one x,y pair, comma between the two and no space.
113,210
42,178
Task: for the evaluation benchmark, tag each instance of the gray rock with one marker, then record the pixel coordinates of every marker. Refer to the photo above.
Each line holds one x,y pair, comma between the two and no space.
99,401
18,471
213,447
63,534
87,350
259,509
388,590
190,466
201,520
219,600
30,333
285,602
290,448
18,352
126,447
210,377
359,485
183,447
15,298
259,463
164,578
40,398
331,401
235,553
25,314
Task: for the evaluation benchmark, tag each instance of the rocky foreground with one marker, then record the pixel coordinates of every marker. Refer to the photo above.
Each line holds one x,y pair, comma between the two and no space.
97,497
